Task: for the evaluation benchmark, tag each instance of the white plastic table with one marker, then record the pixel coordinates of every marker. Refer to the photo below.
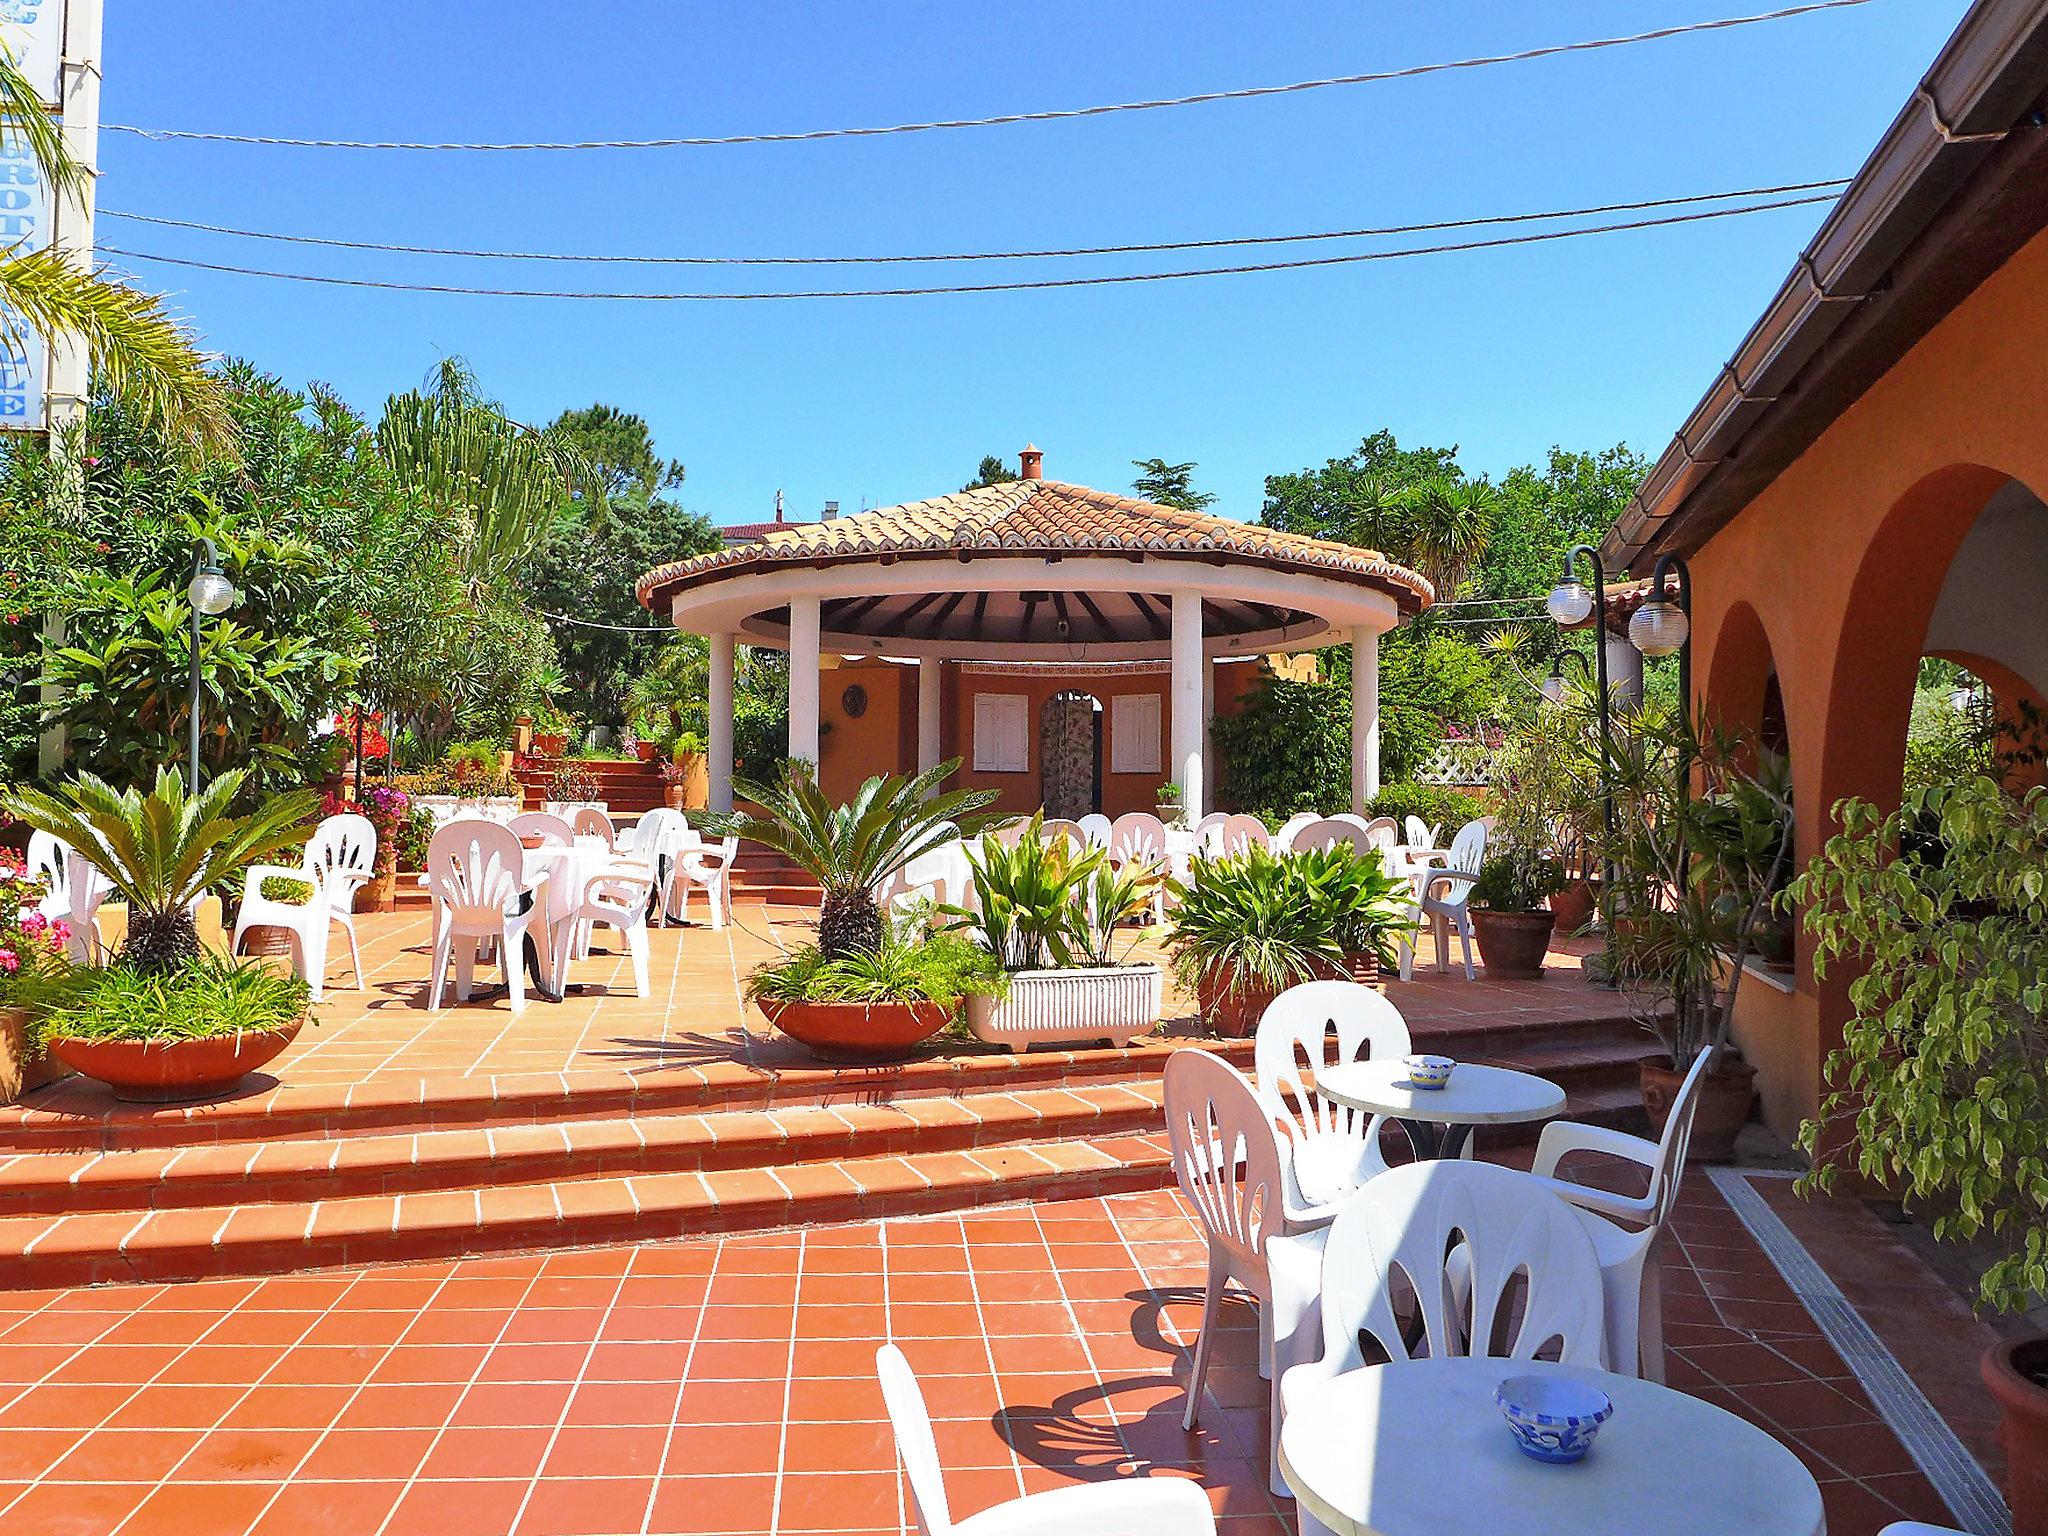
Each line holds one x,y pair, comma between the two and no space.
1418,1448
1475,1095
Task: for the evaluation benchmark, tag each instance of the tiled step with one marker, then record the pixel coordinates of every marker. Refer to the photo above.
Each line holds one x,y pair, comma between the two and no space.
310,1170
98,1247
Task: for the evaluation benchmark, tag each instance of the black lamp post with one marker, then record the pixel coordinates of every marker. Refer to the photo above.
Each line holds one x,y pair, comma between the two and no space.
1659,628
1570,603
211,593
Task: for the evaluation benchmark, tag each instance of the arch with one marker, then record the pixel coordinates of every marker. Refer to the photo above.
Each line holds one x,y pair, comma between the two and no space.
2011,694
1742,679
1070,754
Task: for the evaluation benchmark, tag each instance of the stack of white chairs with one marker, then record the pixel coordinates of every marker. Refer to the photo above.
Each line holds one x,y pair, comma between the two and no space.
1283,840
1095,827
706,867
1443,897
74,887
1139,837
341,856
477,877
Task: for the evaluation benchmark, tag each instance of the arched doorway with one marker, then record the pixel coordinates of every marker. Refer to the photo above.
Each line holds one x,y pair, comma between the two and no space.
1070,754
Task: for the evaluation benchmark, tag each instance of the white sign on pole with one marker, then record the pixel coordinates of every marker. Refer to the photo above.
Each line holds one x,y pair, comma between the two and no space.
32,32
25,225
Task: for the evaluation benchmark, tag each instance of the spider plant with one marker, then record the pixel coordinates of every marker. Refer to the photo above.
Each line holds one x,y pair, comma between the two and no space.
941,968
202,999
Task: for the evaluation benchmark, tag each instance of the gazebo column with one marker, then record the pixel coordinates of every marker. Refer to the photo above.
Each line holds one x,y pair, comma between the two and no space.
930,673
804,624
1189,703
1624,669
1365,717
718,706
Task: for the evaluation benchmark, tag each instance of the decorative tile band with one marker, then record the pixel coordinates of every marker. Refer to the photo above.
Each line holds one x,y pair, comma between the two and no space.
1963,1485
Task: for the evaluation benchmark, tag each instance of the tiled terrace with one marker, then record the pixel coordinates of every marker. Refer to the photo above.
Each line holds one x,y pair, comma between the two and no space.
727,1385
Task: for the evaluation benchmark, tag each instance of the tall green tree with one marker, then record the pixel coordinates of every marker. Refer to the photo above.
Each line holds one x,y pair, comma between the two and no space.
1169,485
1573,499
619,448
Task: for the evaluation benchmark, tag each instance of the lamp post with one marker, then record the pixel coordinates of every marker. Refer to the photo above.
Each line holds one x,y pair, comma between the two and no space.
211,593
1569,604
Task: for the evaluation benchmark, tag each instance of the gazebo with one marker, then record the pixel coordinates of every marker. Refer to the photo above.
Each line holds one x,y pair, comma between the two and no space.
1033,591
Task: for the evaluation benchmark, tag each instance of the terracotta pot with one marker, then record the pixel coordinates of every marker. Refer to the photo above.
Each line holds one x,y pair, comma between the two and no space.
1233,1011
1362,968
1512,944
646,750
265,939
1726,1094
677,797
379,893
168,1071
24,1065
858,1032
2016,1375
1574,906
548,745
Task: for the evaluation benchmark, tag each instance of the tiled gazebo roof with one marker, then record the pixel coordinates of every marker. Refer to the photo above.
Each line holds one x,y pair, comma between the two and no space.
1035,516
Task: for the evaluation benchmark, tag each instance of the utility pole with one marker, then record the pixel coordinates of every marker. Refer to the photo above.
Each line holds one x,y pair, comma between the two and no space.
75,27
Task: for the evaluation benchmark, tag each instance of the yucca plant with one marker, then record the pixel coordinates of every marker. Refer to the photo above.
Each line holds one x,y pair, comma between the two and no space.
162,851
852,848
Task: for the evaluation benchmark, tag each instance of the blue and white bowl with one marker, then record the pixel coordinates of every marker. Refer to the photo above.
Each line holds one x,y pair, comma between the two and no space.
1553,1418
1430,1072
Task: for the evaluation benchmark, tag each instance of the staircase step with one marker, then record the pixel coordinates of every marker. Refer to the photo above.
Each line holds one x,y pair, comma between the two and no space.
202,1242
312,1170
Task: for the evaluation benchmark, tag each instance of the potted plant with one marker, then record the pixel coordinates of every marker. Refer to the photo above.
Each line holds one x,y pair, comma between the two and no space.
1686,912
163,1021
1939,1090
1509,918
684,770
1048,913
646,749
391,814
861,993
1250,925
551,727
1171,800
31,950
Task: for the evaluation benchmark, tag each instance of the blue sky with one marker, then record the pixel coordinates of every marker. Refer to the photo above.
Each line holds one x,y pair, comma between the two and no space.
1584,342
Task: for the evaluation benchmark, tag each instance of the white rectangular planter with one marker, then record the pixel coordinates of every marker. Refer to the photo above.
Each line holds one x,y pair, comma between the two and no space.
1114,1003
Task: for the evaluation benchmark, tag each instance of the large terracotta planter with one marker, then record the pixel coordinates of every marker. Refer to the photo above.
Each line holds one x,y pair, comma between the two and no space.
2017,1377
1512,944
1726,1094
858,1032
168,1071
549,744
266,939
1574,906
1082,1005
379,893
646,750
24,1065
1232,1009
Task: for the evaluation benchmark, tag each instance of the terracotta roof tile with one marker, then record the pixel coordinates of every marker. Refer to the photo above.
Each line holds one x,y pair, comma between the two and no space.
1034,515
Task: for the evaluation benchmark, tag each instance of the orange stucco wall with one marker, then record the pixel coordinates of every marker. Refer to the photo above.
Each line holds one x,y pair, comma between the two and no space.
1830,576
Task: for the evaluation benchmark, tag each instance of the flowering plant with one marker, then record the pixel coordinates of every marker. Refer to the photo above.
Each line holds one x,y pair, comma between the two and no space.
30,943
375,744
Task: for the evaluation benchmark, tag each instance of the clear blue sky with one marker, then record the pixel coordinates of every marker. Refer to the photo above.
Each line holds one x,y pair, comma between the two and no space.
1583,342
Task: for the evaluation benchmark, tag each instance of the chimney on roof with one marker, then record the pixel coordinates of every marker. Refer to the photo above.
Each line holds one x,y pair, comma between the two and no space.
1028,462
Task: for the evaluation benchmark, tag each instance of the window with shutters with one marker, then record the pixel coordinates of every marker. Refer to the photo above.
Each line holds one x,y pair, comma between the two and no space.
1001,737
1134,733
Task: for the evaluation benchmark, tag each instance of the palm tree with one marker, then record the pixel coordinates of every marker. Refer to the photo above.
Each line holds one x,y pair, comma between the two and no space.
850,849
137,349
1448,523
163,851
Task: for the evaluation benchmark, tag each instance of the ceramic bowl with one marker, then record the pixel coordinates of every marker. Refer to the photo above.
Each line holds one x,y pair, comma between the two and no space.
1553,1418
1428,1071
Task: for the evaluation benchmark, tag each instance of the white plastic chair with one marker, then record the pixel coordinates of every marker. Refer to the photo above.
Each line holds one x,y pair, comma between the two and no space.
1420,833
1057,827
1283,840
1227,1159
655,842
1330,1149
341,856
1205,831
1141,1506
592,821
617,898
1327,832
1635,1312
940,875
1444,898
74,888
707,867
1238,833
543,824
1095,827
476,872
1139,837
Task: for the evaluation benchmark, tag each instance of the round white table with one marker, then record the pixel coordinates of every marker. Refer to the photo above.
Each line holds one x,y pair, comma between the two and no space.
1418,1448
1439,1121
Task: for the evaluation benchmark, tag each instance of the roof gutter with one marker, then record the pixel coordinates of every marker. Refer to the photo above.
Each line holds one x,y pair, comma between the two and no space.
1980,89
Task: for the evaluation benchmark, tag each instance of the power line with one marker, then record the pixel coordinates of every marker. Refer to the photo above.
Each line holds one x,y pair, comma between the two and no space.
1153,247
1247,93
959,288
623,629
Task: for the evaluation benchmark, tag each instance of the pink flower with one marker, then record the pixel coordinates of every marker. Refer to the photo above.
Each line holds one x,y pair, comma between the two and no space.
60,930
35,922
9,961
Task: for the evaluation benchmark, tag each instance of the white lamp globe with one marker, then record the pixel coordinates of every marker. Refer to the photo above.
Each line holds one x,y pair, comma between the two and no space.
211,592
1569,603
1659,628
1552,688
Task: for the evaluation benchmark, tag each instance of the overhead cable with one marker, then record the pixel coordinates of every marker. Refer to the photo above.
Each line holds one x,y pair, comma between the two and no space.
1113,279
1246,93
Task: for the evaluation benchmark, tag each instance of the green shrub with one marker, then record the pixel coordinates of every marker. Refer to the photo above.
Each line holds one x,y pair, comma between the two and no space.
202,999
1516,882
1444,808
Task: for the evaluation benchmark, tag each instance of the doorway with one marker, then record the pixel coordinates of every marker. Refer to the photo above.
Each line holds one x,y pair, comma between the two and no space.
1070,754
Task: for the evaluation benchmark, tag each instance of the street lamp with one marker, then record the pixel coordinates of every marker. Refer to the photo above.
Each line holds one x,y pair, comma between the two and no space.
1570,603
211,593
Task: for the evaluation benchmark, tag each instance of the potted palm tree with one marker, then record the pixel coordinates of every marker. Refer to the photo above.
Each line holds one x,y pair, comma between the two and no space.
1049,913
165,1020
861,992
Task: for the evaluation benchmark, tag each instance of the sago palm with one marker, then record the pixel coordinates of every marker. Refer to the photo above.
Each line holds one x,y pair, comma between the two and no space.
162,851
136,348
850,849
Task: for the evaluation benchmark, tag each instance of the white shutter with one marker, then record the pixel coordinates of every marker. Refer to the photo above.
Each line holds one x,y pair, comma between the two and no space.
1134,733
1001,740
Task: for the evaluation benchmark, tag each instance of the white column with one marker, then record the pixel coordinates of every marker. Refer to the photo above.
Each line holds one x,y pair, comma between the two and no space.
1624,669
718,706
803,679
1190,718
930,672
1365,717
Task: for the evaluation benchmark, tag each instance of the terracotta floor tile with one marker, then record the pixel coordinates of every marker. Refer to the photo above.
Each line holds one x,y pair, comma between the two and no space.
466,1508
585,1506
700,1506
311,1508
